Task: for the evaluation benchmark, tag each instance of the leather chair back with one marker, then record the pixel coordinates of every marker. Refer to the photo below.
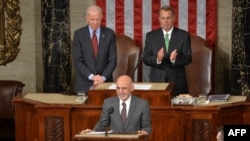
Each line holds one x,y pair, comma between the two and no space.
8,90
127,57
199,72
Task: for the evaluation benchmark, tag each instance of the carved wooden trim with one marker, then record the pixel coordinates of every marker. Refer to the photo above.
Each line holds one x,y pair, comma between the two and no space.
9,43
54,128
201,130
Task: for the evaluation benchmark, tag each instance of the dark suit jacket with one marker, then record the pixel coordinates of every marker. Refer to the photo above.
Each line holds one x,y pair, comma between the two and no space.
168,71
138,117
86,63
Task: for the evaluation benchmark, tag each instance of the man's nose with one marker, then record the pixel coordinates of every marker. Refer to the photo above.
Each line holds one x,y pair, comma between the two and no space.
95,21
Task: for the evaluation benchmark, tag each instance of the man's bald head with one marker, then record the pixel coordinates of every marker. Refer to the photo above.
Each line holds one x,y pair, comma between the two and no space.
124,87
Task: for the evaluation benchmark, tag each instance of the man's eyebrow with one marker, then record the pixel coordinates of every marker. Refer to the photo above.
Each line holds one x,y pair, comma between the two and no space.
121,87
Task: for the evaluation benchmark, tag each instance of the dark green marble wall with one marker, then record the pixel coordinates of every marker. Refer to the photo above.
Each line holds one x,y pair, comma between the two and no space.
56,46
241,48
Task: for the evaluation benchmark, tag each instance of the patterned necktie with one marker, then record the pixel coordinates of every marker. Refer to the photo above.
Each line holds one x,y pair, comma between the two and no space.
124,114
94,43
166,41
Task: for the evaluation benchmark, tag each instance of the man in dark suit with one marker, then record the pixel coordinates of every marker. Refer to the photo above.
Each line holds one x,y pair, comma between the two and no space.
94,66
167,51
138,117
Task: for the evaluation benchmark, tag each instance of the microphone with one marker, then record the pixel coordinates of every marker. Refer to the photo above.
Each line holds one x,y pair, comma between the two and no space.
110,111
137,65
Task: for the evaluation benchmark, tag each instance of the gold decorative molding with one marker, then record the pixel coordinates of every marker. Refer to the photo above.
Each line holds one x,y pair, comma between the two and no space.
9,35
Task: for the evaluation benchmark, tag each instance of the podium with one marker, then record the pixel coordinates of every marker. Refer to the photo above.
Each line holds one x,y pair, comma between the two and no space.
110,137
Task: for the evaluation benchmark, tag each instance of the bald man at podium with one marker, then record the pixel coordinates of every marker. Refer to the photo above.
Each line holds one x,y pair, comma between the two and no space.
124,113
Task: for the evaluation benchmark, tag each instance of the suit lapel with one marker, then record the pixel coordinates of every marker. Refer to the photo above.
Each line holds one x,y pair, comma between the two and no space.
160,37
131,110
173,40
117,116
86,40
101,42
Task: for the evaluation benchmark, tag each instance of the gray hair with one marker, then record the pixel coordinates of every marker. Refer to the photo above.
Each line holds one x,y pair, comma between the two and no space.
167,8
93,8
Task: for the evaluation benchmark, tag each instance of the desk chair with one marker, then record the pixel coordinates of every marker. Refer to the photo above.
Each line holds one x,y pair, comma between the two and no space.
8,90
127,57
199,72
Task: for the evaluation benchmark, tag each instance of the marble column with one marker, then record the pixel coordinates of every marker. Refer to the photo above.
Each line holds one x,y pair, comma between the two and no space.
240,76
56,46
2,31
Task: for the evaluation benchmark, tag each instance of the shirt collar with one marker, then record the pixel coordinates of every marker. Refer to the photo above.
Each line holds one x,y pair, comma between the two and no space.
169,32
97,30
127,101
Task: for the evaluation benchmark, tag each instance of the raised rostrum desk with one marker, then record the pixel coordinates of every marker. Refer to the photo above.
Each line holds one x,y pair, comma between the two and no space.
56,117
158,94
110,137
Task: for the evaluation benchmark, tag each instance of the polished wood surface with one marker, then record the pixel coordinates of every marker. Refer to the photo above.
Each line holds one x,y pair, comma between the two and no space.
38,121
109,137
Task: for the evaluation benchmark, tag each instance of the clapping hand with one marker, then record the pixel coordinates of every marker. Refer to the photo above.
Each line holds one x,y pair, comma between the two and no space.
160,55
173,55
